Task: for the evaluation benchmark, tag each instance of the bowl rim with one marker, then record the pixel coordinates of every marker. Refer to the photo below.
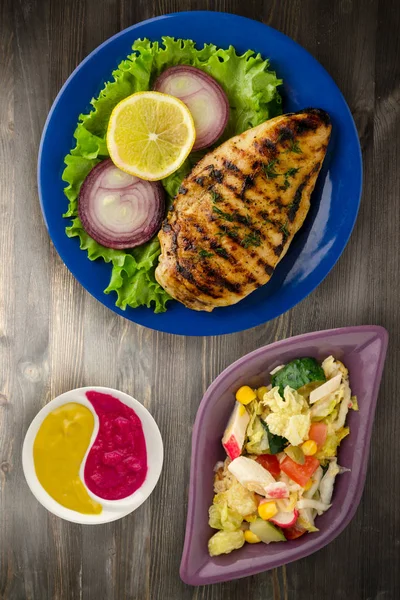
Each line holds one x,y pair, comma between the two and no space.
194,578
112,509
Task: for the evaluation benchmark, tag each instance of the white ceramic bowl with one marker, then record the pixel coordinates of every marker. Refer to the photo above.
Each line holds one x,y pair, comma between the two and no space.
112,509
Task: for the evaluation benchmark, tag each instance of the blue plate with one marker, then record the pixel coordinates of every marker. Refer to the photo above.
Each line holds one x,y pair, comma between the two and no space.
335,201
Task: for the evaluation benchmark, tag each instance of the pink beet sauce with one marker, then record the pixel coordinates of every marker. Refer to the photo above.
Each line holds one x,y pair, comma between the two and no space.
116,465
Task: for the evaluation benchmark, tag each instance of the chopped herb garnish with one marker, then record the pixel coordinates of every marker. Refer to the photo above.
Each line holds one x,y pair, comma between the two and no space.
292,172
244,219
269,169
283,228
289,173
233,233
205,254
222,252
215,197
222,214
294,147
251,239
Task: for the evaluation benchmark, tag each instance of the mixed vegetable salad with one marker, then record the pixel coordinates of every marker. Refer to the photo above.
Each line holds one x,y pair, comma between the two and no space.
281,443
117,213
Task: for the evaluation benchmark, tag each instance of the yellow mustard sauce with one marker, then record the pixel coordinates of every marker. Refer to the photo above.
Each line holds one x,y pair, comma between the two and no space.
58,450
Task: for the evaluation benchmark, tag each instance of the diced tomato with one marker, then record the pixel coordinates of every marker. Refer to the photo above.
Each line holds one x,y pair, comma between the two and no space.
292,533
318,433
300,473
269,462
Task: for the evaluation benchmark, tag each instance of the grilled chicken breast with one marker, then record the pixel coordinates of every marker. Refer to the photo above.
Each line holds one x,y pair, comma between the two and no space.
238,210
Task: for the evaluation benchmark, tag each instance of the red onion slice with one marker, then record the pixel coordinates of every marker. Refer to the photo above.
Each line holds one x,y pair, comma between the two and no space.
119,210
203,96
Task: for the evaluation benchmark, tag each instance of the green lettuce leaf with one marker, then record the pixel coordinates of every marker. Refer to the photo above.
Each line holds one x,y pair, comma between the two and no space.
253,98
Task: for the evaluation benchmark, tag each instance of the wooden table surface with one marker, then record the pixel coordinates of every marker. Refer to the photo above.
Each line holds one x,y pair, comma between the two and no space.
54,336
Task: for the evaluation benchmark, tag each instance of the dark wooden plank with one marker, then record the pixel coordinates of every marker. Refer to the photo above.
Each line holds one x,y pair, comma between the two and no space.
7,371
54,336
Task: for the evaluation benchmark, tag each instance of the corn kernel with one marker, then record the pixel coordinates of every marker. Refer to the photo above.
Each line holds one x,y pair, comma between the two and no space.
309,447
308,485
251,537
245,395
261,392
242,410
267,510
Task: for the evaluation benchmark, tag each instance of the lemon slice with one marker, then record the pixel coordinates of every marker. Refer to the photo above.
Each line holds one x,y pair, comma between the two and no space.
150,134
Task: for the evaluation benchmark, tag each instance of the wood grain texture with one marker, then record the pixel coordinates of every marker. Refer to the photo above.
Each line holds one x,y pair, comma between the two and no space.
54,336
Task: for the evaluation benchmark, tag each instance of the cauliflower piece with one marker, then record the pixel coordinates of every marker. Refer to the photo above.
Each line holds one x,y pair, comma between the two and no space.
290,415
224,542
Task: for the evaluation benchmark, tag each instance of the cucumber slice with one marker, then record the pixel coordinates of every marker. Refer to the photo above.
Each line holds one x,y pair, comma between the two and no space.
267,532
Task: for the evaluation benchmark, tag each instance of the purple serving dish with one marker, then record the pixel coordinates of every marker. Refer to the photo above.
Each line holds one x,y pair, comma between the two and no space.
363,350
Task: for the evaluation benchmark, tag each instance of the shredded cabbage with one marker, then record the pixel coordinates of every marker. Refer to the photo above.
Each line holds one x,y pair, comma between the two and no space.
344,407
329,449
354,403
290,416
325,406
257,436
328,481
239,499
316,478
319,506
223,517
287,504
333,367
306,520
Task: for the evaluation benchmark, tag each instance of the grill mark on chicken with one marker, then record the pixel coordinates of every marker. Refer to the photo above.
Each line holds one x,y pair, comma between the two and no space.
241,154
216,174
247,183
234,287
278,249
284,134
266,147
186,274
233,189
307,124
319,114
230,165
267,268
296,201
